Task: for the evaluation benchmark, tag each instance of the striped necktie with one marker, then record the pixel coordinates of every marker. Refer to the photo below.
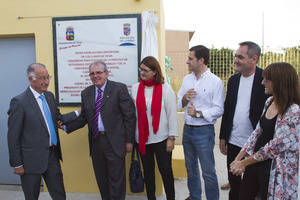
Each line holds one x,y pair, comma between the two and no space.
96,114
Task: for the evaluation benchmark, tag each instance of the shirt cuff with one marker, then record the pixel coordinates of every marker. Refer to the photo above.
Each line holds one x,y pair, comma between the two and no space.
77,113
18,166
173,134
206,115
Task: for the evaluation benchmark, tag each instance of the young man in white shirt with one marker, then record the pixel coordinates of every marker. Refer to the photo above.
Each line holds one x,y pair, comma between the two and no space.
243,107
202,94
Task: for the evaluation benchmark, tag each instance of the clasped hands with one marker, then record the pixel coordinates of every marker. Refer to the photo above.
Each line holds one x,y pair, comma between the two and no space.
237,167
60,125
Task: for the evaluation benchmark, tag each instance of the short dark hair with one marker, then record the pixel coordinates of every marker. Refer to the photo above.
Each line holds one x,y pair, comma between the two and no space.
201,52
153,64
253,49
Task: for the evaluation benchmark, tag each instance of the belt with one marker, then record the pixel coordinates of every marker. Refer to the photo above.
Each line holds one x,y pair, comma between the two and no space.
197,126
52,148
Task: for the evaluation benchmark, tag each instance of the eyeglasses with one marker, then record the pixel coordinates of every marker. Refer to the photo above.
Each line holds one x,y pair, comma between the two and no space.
43,78
144,70
96,73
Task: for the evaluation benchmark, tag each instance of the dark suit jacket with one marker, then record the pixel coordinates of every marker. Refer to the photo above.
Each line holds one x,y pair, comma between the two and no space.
257,102
117,113
28,136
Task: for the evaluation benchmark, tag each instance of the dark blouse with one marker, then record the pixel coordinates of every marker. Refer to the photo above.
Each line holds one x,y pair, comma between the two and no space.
268,130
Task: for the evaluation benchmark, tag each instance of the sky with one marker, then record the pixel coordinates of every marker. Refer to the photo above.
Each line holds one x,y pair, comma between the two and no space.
225,23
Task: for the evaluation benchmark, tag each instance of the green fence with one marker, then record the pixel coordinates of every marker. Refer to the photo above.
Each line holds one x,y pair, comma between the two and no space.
222,60
222,63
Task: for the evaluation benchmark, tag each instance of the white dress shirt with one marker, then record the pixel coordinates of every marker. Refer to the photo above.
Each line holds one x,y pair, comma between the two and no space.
209,99
242,126
168,124
39,101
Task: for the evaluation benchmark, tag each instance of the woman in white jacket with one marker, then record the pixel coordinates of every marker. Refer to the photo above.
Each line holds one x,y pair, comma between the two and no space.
157,125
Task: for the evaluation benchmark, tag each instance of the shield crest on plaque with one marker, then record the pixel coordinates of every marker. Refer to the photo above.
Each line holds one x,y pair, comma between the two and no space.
126,29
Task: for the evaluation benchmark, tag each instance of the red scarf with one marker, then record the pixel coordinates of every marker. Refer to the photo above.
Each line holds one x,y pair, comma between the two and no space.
143,124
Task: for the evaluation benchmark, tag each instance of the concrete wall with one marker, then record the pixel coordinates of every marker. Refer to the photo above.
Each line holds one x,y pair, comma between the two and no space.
34,18
177,48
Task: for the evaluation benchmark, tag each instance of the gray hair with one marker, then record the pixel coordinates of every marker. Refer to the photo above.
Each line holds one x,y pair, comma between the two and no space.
253,49
31,68
97,63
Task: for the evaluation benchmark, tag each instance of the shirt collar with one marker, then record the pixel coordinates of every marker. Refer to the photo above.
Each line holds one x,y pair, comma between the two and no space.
102,88
35,93
203,74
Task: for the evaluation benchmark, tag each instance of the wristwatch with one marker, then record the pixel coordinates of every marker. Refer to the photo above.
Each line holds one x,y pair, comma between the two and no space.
198,115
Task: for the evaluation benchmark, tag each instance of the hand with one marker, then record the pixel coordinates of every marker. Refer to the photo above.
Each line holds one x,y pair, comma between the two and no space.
191,93
237,167
60,125
128,147
19,170
191,110
170,145
223,146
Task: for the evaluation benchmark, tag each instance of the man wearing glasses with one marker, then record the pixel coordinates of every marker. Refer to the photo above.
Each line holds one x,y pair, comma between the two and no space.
33,140
108,109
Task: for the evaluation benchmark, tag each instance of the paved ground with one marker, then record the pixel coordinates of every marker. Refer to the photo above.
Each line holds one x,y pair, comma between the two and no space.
15,193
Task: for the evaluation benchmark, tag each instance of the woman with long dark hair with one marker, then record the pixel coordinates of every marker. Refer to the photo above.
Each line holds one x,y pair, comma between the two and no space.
157,125
271,154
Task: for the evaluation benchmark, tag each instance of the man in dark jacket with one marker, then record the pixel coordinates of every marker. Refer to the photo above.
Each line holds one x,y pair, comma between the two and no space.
33,140
243,107
109,111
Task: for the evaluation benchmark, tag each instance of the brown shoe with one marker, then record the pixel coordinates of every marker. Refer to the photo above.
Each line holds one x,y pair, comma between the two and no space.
226,186
188,198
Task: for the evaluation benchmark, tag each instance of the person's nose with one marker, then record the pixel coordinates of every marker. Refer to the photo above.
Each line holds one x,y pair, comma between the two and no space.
235,60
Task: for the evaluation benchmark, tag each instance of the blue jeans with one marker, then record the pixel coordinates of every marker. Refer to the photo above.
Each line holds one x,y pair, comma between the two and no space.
198,143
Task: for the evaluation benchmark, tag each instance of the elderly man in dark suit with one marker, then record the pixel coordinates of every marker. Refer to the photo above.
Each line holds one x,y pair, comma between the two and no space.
107,108
33,141
243,107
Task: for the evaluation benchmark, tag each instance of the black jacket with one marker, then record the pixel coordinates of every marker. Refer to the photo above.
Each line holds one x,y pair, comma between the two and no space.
257,102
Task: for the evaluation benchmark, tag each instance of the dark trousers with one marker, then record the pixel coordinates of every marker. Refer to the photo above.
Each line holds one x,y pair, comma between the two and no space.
53,178
235,181
109,170
255,181
164,162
